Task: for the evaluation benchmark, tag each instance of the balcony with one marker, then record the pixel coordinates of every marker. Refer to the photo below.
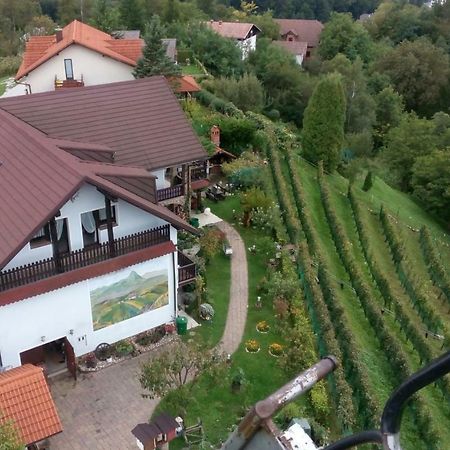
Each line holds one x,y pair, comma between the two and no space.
77,259
59,84
187,270
170,192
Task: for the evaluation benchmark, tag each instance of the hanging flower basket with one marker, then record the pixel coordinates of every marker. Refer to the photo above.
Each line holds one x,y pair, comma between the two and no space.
275,350
252,346
262,327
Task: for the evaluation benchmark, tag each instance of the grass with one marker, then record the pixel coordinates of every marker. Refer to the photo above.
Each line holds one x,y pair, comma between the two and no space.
191,69
215,403
3,85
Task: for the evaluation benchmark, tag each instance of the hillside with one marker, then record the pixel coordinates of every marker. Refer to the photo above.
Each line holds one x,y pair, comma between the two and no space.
389,317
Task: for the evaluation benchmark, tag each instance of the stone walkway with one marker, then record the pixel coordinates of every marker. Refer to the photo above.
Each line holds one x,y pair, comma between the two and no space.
99,410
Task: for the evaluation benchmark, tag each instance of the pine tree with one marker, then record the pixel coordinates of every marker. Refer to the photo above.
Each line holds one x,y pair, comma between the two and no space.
368,182
154,59
323,123
131,14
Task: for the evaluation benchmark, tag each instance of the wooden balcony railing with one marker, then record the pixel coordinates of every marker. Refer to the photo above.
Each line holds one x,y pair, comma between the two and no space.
77,259
68,83
170,192
187,269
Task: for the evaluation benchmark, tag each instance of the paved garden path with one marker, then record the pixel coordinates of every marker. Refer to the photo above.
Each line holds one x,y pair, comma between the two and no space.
99,410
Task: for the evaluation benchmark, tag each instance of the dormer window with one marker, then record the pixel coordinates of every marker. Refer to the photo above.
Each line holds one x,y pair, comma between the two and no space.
42,237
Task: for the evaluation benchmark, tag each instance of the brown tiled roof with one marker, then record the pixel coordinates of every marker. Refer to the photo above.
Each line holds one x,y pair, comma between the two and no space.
293,47
141,120
186,83
305,30
37,178
40,49
235,30
25,399
165,423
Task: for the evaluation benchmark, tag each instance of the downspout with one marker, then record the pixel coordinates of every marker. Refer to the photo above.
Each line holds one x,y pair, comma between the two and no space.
175,290
27,85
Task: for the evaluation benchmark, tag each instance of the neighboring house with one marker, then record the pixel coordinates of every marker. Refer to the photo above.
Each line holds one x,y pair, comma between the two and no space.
78,55
157,434
298,49
25,400
87,253
302,31
243,33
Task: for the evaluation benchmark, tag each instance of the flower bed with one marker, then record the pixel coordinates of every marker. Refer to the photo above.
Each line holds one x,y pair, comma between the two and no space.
262,327
275,349
252,346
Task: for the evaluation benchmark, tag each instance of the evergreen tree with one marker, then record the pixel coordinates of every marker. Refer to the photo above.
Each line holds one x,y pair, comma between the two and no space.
154,60
368,182
323,123
105,17
131,14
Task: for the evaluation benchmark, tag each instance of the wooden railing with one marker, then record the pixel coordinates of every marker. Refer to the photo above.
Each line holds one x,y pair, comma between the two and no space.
68,83
187,269
77,259
170,192
198,173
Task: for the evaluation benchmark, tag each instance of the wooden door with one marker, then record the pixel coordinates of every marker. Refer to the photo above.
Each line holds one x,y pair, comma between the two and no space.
70,358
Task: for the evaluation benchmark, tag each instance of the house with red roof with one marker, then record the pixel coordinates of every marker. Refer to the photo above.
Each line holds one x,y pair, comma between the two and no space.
80,55
299,36
243,33
88,250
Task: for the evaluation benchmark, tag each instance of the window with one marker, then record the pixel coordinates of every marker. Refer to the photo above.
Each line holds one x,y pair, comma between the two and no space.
100,217
42,237
68,68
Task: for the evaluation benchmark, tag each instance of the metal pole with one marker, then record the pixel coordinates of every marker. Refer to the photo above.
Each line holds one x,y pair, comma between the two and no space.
265,409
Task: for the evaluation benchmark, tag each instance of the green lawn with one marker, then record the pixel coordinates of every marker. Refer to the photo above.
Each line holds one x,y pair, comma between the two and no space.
215,403
3,85
192,69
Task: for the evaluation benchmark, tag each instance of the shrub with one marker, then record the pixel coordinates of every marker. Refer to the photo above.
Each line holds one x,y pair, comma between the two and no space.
211,242
9,65
238,379
368,182
276,349
123,348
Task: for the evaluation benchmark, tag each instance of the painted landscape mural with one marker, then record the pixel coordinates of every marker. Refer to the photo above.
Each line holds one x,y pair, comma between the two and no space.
127,294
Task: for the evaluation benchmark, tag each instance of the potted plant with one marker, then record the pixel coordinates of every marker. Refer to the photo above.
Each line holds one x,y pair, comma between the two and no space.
276,349
252,346
262,327
90,361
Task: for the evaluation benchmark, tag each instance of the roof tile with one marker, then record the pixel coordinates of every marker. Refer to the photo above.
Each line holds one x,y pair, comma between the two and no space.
306,30
26,400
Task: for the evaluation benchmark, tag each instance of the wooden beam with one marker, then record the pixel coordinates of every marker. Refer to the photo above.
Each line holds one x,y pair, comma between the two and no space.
109,225
54,239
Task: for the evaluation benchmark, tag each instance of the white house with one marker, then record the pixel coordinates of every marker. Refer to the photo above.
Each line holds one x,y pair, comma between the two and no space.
243,33
79,55
87,253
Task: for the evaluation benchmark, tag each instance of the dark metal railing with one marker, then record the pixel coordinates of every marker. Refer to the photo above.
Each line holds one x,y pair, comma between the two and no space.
87,256
170,192
198,173
187,269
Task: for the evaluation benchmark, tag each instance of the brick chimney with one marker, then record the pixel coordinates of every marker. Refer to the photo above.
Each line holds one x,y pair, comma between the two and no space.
215,135
59,34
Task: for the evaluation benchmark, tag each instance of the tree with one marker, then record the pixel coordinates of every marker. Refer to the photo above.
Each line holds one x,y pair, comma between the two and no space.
342,35
69,10
131,14
40,26
9,435
251,200
323,123
419,72
368,181
412,138
154,59
105,16
431,182
175,369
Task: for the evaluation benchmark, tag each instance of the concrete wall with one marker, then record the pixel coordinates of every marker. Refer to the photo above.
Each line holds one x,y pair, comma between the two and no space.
130,219
92,66
44,318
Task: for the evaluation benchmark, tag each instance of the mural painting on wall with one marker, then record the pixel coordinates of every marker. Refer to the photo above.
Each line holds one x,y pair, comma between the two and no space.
126,294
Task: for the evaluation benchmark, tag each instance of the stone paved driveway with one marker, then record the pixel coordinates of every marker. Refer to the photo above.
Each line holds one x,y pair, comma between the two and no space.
99,410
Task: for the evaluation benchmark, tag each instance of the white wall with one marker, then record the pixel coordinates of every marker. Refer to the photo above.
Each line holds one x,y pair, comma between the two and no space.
55,313
161,182
95,69
130,219
247,45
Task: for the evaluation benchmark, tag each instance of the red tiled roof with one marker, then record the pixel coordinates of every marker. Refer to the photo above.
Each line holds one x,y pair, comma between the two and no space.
235,30
25,399
306,30
186,84
140,120
293,47
40,49
37,178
